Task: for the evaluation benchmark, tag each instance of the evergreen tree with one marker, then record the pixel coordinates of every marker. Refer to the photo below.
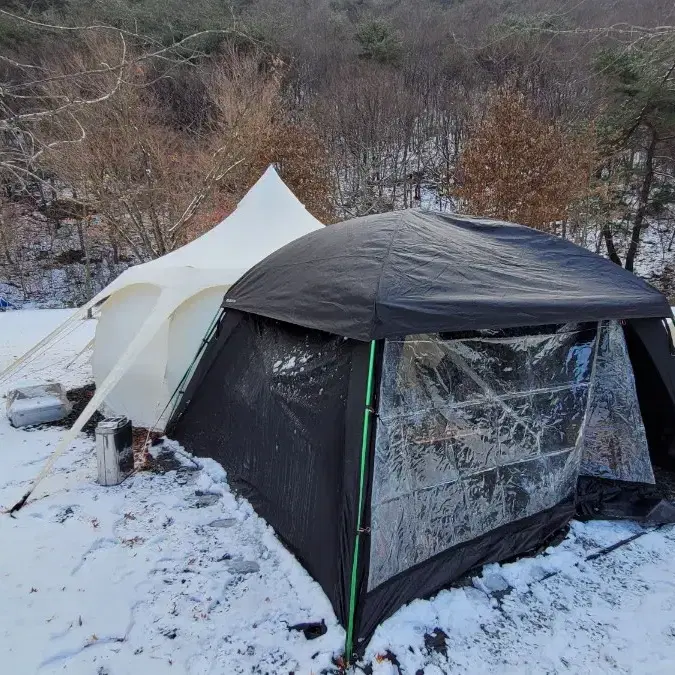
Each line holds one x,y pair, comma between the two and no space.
638,124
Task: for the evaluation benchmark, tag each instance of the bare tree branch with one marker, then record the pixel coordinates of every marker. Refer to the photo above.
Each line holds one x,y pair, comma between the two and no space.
34,116
213,177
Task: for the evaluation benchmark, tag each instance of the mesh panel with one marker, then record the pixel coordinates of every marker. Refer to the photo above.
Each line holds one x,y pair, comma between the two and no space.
271,409
473,433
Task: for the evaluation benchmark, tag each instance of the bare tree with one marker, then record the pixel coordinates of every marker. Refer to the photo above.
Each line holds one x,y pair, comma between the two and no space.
28,91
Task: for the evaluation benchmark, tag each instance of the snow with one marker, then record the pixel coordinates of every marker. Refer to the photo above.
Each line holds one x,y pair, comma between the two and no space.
172,573
612,614
144,576
291,363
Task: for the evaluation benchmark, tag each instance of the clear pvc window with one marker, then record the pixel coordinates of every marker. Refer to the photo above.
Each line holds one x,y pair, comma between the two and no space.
614,441
478,430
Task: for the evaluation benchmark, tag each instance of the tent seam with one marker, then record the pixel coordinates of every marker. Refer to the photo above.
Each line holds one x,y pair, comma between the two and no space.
379,279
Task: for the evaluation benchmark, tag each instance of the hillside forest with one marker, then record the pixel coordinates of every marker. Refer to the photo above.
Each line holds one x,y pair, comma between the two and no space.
129,127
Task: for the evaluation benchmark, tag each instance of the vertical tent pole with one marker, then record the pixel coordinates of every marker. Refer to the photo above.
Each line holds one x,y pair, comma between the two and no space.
349,643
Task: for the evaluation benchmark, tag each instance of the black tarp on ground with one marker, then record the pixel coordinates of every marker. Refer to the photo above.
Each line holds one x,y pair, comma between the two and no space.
601,498
411,272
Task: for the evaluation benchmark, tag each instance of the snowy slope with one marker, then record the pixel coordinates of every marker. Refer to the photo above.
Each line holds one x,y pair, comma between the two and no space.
163,574
170,573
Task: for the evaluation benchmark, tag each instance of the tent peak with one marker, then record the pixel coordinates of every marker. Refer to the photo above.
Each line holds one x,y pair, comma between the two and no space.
269,188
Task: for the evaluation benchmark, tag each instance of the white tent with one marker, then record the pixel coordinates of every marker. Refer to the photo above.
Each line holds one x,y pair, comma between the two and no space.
185,288
154,316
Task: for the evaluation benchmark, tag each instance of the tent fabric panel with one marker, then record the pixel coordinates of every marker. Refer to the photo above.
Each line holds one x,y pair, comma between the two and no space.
411,272
189,328
614,442
473,434
651,354
608,499
266,218
145,390
328,283
271,410
226,323
429,577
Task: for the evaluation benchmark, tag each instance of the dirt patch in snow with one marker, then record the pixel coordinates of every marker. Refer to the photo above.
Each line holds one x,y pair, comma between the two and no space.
79,397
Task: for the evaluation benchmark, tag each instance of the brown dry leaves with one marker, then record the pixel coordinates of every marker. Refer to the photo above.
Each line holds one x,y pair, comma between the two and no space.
522,168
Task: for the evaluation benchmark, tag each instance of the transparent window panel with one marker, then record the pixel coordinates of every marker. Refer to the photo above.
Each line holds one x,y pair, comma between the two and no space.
538,484
564,359
484,495
540,422
411,455
560,476
433,373
520,485
393,542
518,429
472,437
442,514
496,366
615,442
472,434
423,378
560,416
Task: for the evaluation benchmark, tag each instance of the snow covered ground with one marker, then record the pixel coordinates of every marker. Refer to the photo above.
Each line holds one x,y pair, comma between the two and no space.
170,573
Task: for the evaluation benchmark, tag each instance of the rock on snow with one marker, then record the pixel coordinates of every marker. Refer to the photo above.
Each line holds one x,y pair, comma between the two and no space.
171,573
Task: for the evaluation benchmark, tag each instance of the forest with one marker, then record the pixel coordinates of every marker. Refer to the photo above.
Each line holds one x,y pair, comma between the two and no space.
129,127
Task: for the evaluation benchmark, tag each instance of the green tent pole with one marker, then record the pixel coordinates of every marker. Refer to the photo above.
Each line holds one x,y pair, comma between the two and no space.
349,642
204,343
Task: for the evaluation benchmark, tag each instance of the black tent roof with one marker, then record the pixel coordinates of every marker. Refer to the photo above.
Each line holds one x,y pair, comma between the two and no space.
412,271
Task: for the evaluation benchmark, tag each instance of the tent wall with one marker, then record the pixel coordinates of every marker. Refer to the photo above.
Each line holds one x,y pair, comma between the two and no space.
651,353
282,409
614,444
439,572
144,391
473,434
480,439
272,405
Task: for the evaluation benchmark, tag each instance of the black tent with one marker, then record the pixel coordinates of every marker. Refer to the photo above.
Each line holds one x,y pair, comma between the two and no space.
407,396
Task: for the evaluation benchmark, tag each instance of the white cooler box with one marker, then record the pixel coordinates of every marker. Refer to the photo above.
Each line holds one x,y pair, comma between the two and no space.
37,404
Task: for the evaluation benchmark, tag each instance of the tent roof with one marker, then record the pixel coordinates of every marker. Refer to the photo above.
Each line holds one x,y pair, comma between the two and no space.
267,217
411,272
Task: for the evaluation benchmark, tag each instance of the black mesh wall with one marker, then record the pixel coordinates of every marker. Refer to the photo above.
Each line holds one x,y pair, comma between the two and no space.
272,408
